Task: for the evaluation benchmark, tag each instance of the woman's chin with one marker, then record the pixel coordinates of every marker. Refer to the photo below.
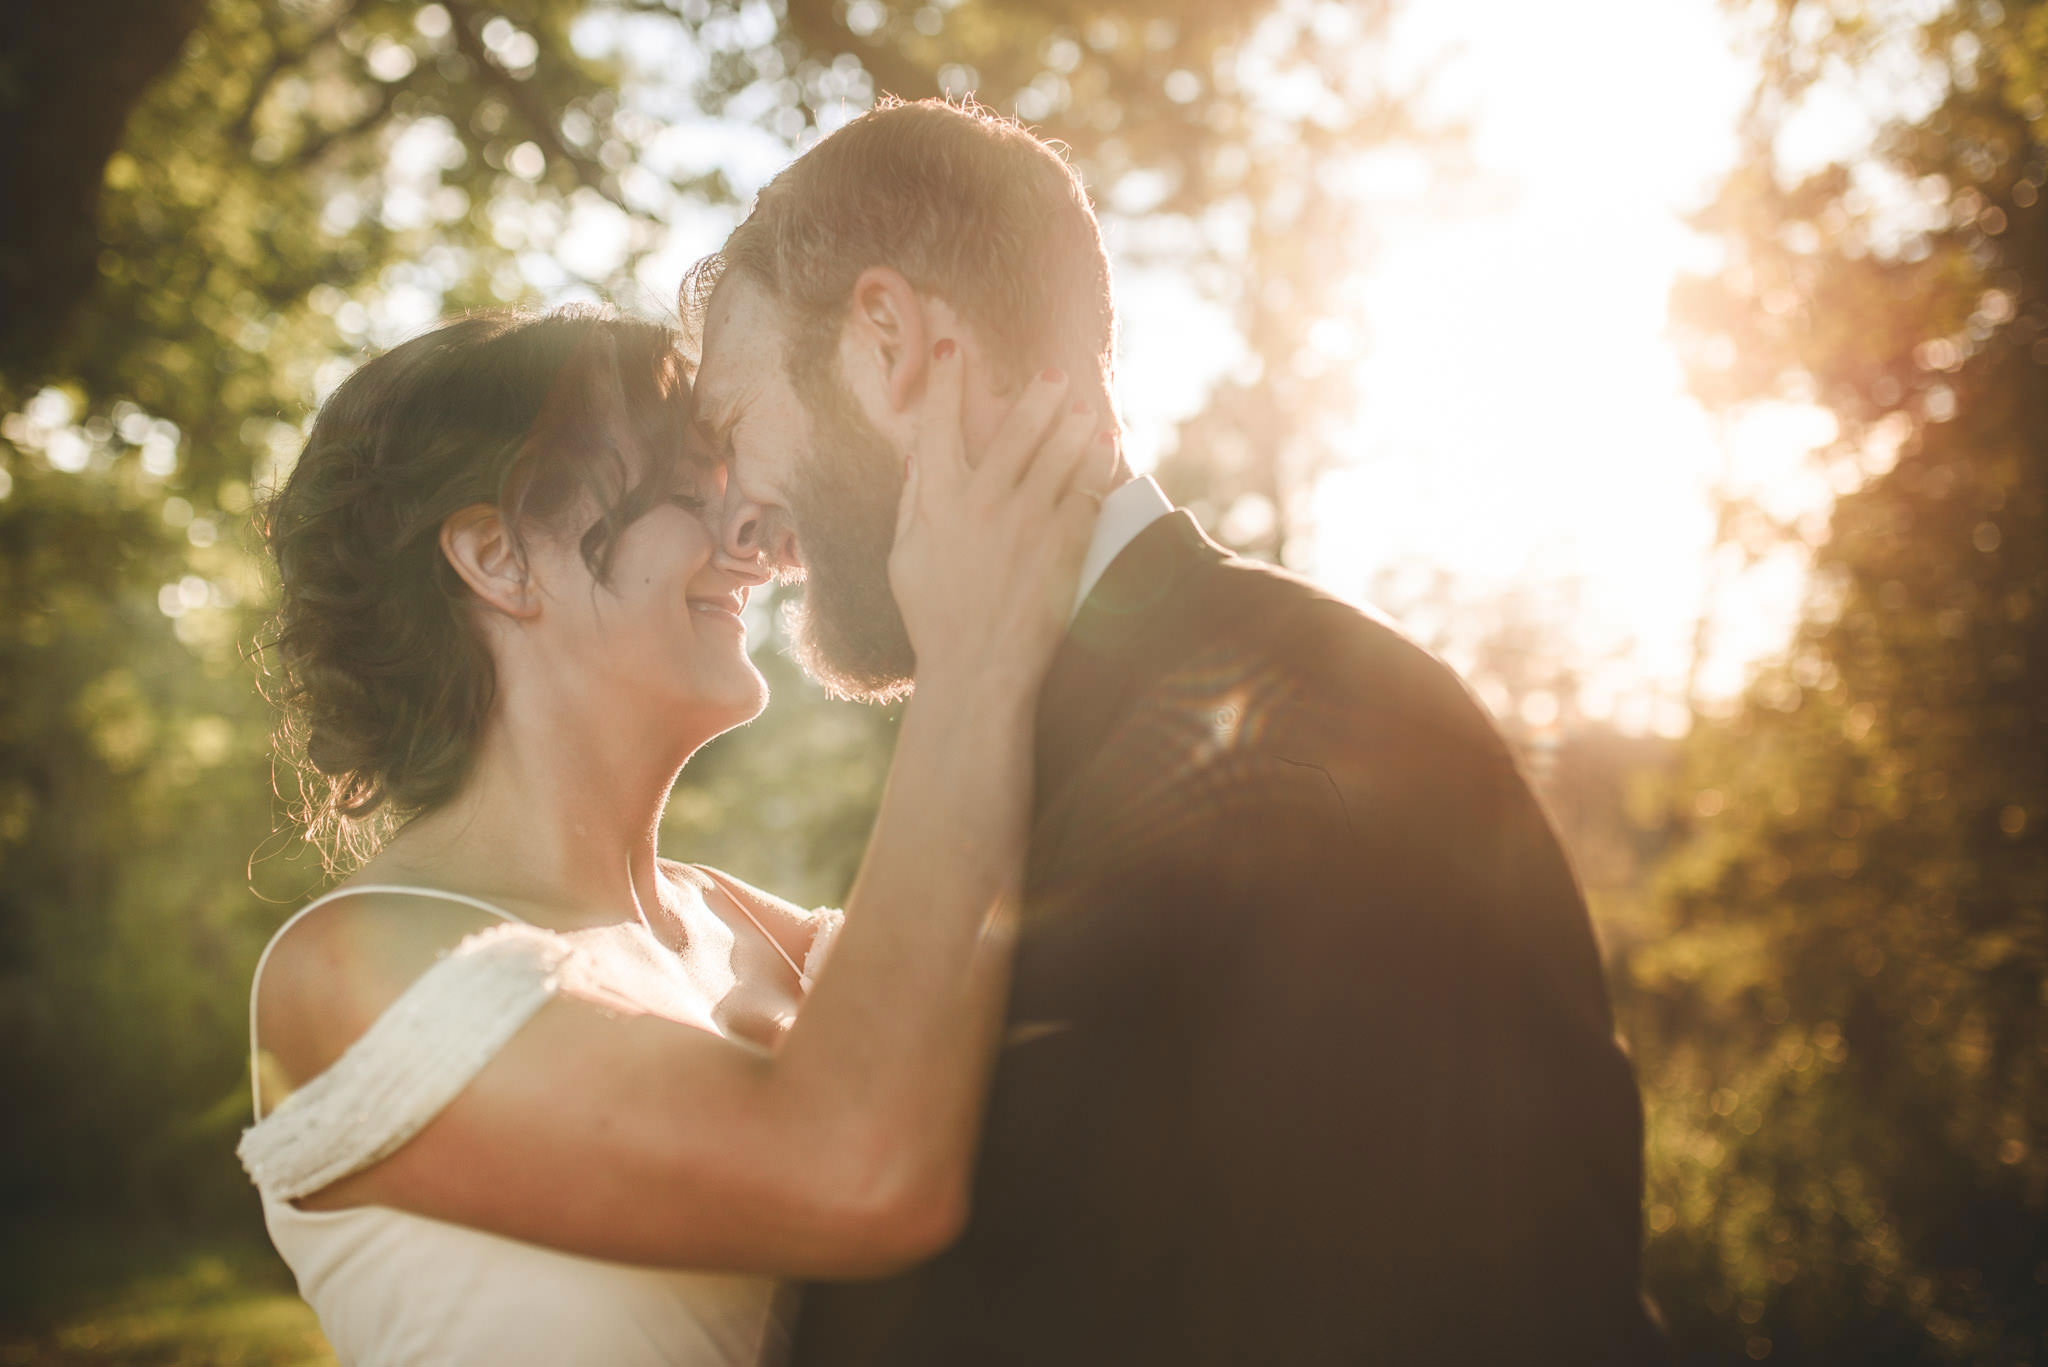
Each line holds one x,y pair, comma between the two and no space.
711,706
742,700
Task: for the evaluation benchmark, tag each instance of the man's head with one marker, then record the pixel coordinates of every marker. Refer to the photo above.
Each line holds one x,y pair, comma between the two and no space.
913,223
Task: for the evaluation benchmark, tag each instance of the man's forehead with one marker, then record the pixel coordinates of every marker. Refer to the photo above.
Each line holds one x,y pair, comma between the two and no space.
743,316
743,341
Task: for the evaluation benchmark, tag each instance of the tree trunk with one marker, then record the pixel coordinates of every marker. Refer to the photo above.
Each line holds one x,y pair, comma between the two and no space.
70,72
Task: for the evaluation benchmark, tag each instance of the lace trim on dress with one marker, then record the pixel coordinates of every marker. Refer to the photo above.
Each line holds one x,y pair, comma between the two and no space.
411,1062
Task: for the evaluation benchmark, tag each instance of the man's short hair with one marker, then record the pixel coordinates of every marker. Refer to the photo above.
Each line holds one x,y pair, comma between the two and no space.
966,204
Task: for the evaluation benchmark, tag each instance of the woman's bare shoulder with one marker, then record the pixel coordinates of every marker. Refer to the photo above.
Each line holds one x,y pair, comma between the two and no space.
339,966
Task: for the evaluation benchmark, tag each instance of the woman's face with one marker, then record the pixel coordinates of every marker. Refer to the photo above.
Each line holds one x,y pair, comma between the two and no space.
661,641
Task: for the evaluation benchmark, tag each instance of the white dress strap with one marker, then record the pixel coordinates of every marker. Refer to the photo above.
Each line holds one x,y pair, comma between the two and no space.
412,1061
826,923
256,978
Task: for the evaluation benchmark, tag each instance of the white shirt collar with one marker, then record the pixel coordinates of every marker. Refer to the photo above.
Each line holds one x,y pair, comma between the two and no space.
1128,510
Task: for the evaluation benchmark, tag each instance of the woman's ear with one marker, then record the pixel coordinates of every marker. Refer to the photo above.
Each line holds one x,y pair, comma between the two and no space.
489,558
888,336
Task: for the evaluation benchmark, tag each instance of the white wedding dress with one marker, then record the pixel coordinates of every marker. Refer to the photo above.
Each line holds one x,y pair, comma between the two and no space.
399,1290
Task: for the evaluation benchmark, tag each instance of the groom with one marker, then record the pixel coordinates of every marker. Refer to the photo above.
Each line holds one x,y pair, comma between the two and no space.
1310,1057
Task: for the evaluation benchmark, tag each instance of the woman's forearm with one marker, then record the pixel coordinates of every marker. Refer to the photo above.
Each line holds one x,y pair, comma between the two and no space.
891,1053
890,1057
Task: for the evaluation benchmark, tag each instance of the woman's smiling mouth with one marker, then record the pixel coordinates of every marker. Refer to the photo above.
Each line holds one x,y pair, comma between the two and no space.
724,605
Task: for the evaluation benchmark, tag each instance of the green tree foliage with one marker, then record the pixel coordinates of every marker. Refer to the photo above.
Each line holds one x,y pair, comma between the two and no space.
1847,1003
253,195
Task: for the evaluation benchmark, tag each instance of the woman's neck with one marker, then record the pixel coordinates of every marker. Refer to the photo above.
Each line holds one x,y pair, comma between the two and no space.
560,814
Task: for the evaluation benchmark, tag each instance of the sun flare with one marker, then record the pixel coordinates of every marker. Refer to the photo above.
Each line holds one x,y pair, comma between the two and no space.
1525,426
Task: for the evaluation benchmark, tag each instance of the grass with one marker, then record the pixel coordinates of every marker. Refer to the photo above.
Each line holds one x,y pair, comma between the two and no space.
121,1300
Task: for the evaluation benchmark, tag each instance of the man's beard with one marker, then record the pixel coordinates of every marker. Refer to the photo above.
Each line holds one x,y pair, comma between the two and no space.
849,632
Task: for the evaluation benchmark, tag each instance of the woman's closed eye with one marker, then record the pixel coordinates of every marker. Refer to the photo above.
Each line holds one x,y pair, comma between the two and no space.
698,484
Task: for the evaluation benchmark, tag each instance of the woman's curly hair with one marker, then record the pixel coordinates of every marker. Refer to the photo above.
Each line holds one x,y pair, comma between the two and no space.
381,678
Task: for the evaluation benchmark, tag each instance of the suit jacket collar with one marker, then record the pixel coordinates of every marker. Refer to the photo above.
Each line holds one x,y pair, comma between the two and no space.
1126,513
1115,645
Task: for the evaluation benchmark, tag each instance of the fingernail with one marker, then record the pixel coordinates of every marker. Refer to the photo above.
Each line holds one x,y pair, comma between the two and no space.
1107,438
943,350
1052,374
1080,406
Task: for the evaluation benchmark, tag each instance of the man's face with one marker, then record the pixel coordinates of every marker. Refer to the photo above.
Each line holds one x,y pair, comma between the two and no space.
814,487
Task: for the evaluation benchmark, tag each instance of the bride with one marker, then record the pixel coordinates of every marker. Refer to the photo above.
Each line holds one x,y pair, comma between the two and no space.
527,1091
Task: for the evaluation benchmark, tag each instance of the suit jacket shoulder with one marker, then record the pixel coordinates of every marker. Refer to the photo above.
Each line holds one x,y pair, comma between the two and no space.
1433,811
1352,665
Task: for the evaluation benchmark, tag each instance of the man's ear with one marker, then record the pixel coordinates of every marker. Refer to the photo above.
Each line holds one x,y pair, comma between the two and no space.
889,336
488,557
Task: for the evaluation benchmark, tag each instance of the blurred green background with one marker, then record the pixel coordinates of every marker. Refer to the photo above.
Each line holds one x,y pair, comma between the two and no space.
1824,897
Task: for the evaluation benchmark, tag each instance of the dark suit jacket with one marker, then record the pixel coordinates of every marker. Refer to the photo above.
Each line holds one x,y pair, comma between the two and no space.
1312,1057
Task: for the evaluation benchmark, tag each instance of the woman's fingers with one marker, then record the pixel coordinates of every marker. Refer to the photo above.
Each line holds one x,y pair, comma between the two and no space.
1023,429
1098,471
1075,520
906,503
989,543
1062,456
940,455
1072,528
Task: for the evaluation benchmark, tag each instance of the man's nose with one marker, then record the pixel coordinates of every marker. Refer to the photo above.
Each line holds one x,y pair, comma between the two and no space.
745,523
753,530
750,571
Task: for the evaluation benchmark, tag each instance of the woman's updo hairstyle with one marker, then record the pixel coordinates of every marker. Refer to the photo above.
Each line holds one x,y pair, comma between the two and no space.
382,680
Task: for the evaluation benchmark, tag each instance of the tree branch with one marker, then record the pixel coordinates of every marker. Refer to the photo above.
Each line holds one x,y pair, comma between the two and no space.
315,147
282,58
532,111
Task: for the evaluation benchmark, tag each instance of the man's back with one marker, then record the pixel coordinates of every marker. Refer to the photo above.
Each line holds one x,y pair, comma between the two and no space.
1310,1058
